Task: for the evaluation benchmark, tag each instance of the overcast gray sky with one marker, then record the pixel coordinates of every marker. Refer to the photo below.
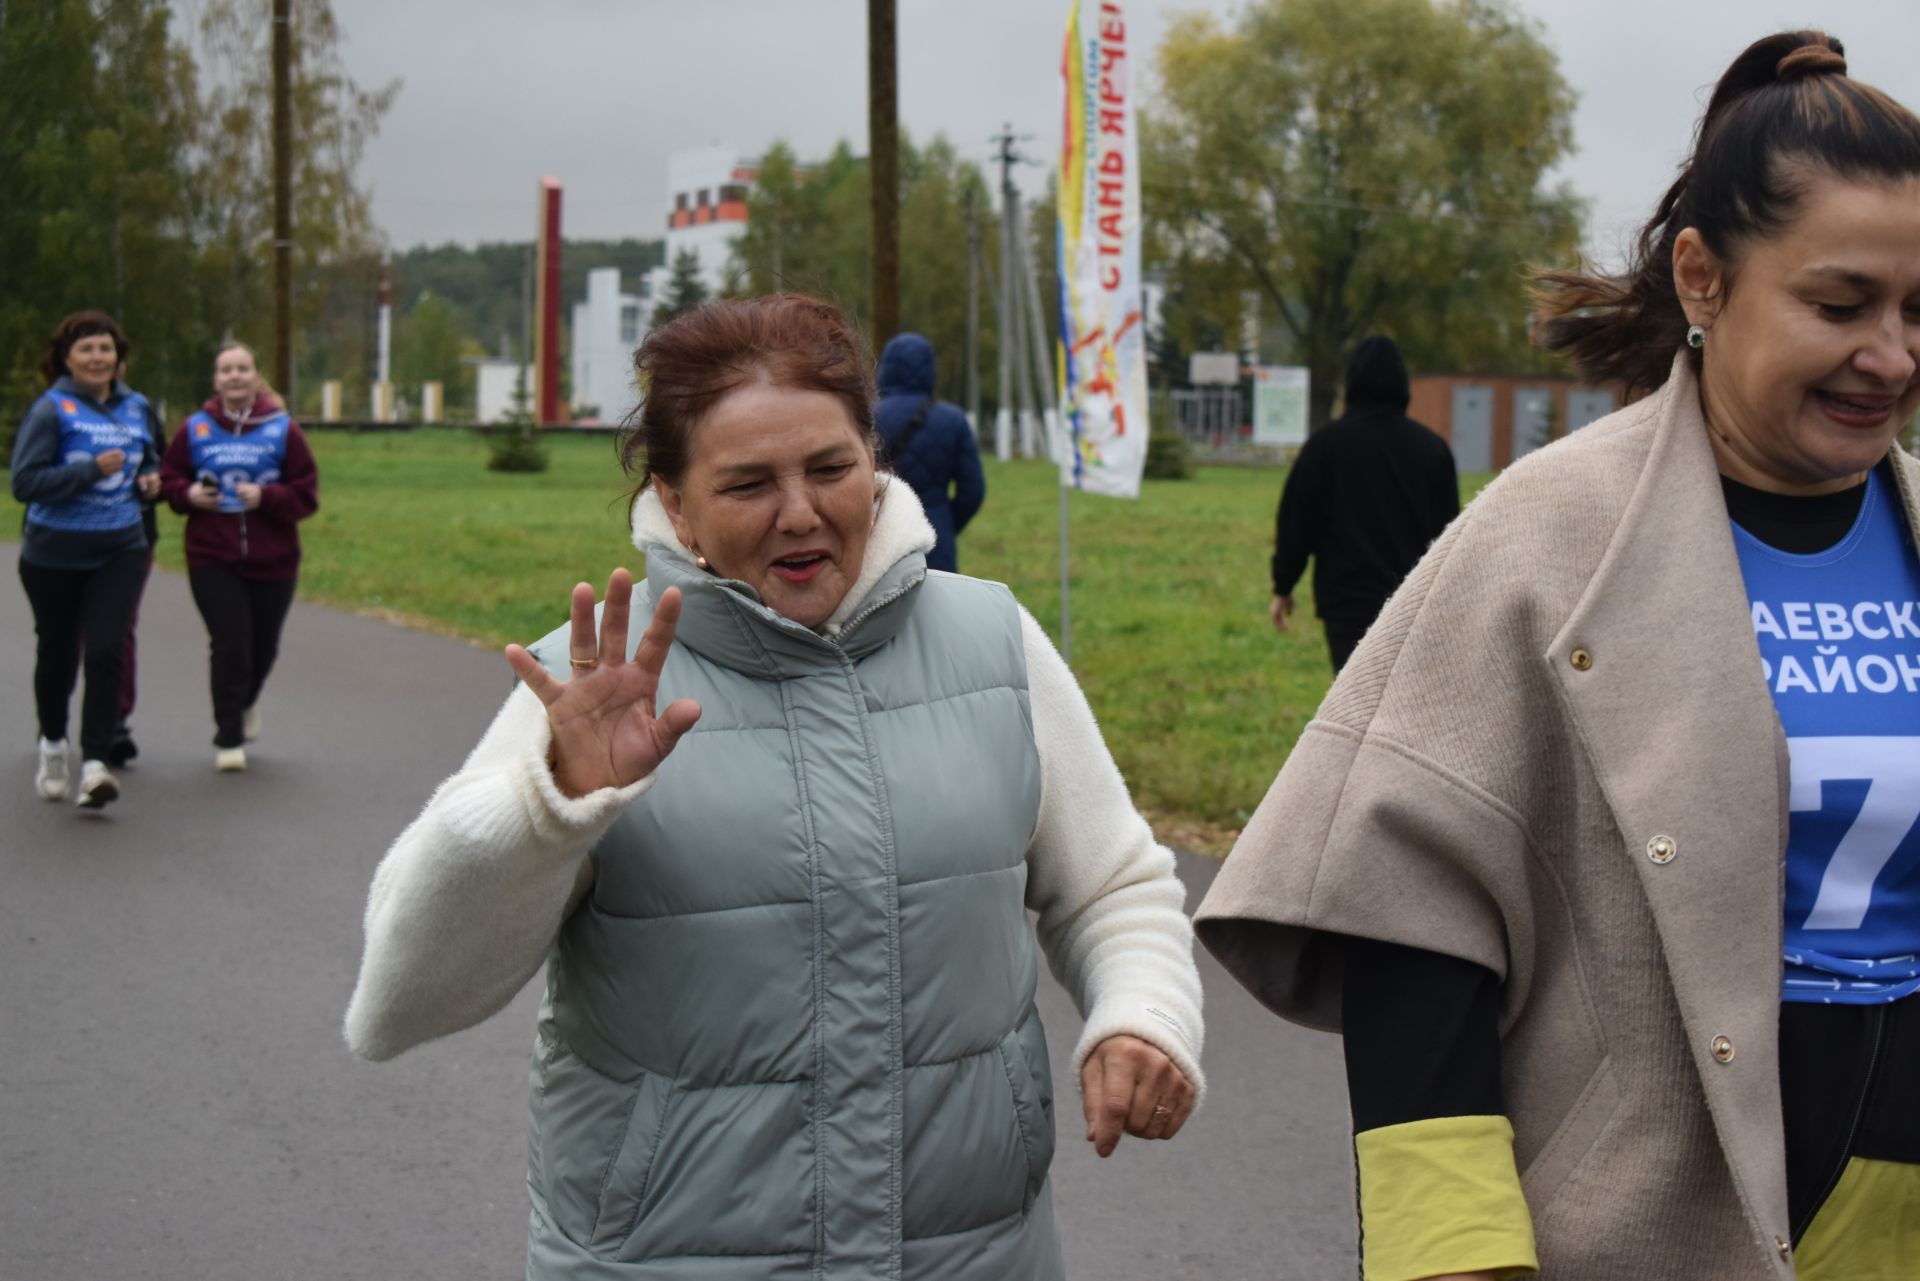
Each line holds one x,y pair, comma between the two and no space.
597,92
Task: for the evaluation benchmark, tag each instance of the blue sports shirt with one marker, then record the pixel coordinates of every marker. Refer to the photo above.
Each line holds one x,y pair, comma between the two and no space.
1839,636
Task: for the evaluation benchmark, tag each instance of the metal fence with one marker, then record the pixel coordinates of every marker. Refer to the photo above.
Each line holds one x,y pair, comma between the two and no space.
1214,421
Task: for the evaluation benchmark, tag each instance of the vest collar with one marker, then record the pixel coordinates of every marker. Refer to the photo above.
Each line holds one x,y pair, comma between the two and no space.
118,393
726,621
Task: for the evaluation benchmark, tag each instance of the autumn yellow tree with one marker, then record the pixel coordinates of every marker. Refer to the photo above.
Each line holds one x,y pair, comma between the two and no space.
1362,166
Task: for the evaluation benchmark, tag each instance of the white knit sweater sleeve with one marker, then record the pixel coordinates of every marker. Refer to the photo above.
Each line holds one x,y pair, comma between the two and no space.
469,899
1111,907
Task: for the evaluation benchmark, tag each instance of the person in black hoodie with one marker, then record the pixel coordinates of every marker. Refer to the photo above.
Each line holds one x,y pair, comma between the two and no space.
1367,495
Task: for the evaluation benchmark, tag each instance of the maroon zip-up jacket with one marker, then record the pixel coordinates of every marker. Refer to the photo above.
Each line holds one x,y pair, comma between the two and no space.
265,542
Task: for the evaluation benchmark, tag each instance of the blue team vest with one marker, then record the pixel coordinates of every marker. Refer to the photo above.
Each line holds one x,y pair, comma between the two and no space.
253,458
86,432
1839,635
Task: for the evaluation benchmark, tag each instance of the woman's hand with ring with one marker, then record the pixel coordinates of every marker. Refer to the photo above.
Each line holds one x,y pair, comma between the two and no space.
606,732
1130,1086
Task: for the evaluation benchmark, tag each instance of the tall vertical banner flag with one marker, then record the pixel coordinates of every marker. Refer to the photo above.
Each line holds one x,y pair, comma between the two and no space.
1102,446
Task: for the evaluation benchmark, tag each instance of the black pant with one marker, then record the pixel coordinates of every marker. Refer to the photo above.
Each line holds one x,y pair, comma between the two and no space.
69,603
1343,637
243,617
130,671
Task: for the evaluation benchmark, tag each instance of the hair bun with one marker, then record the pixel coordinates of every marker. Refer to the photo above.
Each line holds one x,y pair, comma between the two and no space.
1811,60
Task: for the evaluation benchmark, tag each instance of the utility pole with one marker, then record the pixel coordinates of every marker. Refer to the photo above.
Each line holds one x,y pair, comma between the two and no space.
1003,417
1020,310
1043,371
1045,404
283,198
1017,333
973,308
883,168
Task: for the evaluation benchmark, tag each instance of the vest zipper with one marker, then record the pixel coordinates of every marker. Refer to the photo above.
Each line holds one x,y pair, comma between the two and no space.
1839,1168
874,607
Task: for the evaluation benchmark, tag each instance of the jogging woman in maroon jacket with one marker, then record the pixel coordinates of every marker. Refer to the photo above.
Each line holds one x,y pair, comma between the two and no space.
241,471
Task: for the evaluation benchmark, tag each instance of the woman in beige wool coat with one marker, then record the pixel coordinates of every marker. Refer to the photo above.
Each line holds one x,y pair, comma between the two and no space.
1601,853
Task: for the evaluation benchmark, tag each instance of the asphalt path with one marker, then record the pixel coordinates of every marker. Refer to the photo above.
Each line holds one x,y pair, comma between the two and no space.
176,1103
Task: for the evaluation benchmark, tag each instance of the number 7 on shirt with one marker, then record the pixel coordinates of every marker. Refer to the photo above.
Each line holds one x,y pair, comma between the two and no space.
1891,767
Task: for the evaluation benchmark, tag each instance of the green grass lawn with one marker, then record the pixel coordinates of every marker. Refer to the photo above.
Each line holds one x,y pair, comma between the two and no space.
1200,700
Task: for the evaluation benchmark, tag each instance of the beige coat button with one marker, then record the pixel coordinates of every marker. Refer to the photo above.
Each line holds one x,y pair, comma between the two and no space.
1581,660
1661,849
1723,1049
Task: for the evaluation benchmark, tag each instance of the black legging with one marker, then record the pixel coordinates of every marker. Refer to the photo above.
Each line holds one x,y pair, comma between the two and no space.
69,603
243,617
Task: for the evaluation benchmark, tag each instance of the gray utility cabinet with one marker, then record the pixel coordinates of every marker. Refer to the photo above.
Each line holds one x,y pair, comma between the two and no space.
1584,405
1532,410
1472,428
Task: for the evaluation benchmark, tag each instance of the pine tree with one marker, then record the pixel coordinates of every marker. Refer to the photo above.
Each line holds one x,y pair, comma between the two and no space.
685,289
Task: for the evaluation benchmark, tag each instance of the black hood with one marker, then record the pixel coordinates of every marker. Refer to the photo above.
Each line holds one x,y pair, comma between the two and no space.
1377,375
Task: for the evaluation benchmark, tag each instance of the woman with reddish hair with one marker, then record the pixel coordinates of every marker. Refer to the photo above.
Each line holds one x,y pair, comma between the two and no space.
778,857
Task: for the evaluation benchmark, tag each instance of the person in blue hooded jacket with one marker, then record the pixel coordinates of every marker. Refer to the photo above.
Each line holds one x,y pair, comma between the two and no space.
929,444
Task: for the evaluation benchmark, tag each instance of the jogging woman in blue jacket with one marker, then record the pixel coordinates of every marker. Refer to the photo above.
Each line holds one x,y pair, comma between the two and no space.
82,462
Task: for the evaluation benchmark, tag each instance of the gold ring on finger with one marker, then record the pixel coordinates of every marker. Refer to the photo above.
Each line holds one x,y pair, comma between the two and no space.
583,664
1162,1111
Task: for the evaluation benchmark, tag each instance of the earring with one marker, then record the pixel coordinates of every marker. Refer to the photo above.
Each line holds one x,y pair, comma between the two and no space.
701,561
1696,337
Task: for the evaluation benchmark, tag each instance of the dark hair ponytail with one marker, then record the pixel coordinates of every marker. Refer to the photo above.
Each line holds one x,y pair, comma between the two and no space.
1786,101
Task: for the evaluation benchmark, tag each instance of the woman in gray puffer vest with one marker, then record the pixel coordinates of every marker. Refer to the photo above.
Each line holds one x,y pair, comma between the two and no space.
778,857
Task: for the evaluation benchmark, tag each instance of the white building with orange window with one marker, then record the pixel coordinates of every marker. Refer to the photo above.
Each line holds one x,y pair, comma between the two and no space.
707,212
708,187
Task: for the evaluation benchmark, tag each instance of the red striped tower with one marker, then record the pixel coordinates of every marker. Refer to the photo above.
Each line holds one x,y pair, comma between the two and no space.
546,327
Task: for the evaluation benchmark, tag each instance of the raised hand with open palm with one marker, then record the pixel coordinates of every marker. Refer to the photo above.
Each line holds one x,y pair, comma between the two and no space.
606,731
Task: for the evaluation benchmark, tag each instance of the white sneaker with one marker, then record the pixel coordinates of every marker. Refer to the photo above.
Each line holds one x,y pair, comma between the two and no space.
250,723
50,779
230,760
97,785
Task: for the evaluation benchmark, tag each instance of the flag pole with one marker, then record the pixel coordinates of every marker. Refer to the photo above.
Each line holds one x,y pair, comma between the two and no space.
1066,586
1051,420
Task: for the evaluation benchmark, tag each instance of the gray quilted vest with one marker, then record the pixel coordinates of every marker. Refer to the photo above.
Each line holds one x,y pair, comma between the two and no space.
791,1032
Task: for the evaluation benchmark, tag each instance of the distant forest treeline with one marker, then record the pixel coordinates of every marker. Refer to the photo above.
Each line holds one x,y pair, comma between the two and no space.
149,195
487,284
451,302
